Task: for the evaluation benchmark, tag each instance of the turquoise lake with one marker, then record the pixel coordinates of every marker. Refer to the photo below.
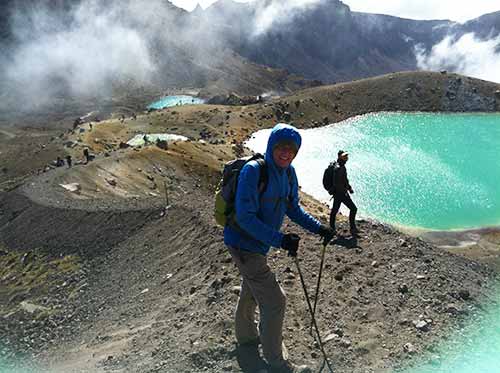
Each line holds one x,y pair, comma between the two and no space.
170,101
421,170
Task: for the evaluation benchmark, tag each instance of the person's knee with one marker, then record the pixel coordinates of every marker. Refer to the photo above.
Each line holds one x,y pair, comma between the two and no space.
281,300
277,301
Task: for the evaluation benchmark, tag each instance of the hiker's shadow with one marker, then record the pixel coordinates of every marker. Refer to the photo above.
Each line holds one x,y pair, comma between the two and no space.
349,242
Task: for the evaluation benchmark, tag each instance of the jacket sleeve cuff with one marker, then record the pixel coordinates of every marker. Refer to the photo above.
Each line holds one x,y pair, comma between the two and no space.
277,239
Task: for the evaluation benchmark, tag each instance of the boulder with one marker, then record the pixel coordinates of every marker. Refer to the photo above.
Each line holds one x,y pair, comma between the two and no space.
72,187
422,325
403,288
453,309
162,144
464,294
111,182
409,348
32,308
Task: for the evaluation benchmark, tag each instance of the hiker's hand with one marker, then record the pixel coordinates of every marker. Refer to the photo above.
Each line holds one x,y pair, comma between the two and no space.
290,243
327,233
351,190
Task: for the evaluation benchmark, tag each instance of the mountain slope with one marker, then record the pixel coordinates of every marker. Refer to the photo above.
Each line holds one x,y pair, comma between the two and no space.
147,289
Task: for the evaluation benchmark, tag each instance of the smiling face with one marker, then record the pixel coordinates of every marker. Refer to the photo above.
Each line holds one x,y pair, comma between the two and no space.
283,155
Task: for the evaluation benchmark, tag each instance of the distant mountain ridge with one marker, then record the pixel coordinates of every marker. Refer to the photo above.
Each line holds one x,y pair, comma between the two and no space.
331,43
326,41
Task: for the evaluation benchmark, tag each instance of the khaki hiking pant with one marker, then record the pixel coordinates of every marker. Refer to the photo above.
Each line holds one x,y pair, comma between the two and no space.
260,287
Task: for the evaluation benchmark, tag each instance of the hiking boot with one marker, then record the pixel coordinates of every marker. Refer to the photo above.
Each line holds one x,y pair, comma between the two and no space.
355,232
249,359
289,367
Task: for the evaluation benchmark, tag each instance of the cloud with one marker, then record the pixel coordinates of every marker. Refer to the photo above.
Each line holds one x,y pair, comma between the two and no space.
83,51
466,55
89,49
276,13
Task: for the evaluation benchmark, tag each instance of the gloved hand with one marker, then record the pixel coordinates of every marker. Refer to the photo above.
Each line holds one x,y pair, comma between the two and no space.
290,243
327,233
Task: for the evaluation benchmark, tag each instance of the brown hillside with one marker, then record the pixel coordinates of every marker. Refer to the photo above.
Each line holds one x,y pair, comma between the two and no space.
126,284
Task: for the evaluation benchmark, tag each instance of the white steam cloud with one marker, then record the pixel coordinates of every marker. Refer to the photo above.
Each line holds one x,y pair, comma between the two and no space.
80,53
276,13
467,55
84,57
91,48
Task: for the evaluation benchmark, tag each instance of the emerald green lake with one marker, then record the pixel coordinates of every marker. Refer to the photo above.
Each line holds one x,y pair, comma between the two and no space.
422,170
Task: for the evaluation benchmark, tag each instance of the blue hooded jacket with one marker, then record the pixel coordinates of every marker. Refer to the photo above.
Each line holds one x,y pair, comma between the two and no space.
260,215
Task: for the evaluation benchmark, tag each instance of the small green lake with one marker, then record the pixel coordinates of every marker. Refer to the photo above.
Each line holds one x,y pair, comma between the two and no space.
170,101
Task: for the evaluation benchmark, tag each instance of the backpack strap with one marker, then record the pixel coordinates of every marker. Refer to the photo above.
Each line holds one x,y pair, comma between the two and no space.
263,176
290,183
335,167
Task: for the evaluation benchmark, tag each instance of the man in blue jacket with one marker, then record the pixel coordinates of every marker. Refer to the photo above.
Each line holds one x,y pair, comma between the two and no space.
259,216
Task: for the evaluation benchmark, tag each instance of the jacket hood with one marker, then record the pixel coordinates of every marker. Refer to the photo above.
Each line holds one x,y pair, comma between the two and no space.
281,132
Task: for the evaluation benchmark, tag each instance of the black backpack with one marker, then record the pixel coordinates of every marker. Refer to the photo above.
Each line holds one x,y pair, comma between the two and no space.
225,195
329,178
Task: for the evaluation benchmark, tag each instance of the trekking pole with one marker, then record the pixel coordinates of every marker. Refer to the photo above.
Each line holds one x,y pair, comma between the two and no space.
318,284
312,314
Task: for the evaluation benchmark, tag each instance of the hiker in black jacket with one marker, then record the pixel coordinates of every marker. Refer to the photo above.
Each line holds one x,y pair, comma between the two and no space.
341,191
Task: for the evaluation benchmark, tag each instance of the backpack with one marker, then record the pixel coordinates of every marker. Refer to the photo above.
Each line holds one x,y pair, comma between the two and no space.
226,194
329,178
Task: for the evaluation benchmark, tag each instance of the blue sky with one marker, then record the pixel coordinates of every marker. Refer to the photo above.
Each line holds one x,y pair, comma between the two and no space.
455,10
